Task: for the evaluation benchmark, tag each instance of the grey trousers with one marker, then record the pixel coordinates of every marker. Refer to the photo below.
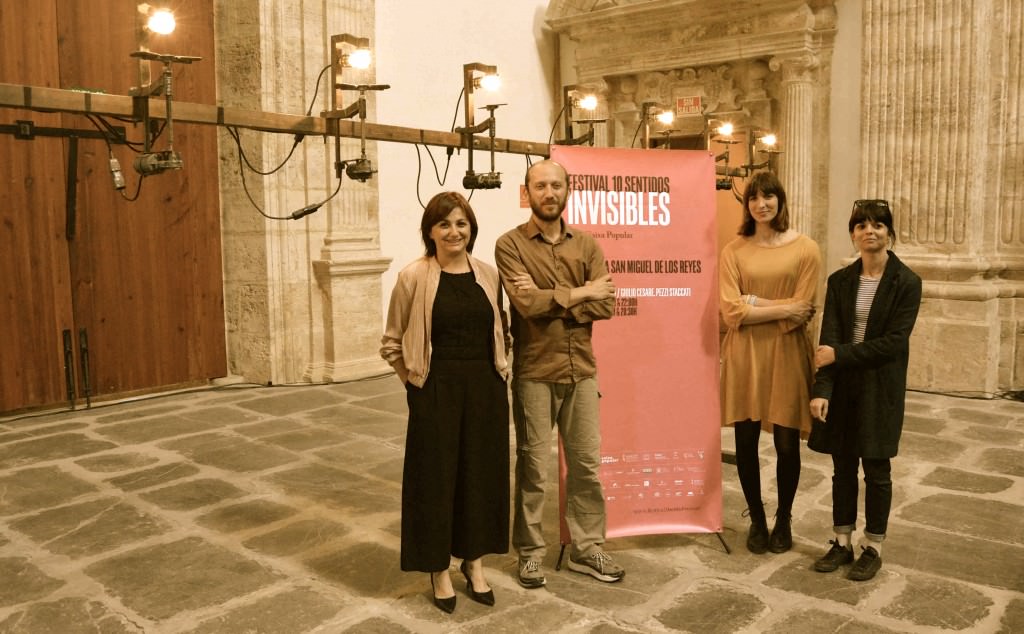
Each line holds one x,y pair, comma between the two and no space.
537,406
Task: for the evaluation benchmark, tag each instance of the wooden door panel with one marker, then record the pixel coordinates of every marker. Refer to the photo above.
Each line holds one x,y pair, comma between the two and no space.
35,295
147,273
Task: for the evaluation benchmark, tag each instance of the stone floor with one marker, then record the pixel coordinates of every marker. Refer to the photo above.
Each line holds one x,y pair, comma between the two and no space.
277,510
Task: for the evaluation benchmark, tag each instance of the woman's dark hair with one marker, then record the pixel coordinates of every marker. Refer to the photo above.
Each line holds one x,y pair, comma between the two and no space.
875,210
766,183
438,209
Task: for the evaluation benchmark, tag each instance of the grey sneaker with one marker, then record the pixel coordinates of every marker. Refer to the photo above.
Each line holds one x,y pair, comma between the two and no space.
530,574
598,565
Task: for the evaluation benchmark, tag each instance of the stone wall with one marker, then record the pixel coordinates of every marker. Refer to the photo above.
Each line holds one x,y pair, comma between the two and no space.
302,297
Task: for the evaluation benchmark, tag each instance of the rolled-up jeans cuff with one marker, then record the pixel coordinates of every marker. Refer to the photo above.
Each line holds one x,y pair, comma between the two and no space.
844,530
874,537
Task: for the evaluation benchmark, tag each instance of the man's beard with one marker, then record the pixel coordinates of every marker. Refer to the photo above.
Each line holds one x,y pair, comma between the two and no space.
546,215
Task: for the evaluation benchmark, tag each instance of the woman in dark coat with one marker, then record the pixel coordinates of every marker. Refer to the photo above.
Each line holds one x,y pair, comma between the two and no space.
859,389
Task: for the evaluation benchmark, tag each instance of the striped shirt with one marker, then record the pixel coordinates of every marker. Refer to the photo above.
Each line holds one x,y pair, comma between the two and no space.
865,295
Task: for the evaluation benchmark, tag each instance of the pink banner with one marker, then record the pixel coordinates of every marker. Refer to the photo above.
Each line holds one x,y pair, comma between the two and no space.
653,211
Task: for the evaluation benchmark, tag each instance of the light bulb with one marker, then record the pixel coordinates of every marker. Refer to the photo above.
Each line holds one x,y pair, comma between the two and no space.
769,140
161,21
666,117
360,58
725,129
589,102
490,82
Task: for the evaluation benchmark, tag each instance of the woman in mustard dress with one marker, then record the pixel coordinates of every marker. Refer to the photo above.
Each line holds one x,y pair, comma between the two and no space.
768,280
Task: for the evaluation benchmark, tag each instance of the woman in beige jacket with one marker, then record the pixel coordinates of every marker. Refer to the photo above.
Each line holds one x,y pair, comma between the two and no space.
446,338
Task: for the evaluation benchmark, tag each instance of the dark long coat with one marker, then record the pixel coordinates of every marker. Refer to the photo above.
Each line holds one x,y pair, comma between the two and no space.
866,386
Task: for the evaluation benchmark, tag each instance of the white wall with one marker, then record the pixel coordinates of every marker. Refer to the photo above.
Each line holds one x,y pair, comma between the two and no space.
420,48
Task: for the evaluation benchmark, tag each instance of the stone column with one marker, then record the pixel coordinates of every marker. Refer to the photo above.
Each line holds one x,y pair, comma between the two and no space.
797,135
942,142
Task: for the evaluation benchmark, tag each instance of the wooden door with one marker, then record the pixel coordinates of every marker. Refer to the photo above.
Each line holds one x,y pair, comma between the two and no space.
142,278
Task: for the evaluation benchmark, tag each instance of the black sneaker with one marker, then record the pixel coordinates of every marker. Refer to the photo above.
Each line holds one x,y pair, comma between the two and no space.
835,557
867,565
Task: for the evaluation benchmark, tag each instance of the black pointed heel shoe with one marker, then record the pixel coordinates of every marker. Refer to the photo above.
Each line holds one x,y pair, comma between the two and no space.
487,598
446,604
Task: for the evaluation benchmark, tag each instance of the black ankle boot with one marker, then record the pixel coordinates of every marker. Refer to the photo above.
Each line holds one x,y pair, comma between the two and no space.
757,538
781,538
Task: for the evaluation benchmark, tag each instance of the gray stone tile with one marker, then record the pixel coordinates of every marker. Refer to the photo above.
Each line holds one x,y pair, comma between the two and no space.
349,568
994,436
297,537
154,476
225,416
969,559
371,451
539,615
379,625
89,528
958,480
38,488
800,577
163,580
988,519
305,439
245,515
393,403
387,384
1006,461
230,452
193,494
979,415
285,401
269,427
150,429
929,448
127,412
1013,617
70,615
338,489
926,424
297,610
35,432
114,462
712,609
821,621
23,582
939,603
46,448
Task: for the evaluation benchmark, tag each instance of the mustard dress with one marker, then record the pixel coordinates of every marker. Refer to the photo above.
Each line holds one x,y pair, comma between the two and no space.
767,368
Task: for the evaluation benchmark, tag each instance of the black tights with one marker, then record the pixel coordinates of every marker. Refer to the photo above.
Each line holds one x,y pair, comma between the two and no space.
748,466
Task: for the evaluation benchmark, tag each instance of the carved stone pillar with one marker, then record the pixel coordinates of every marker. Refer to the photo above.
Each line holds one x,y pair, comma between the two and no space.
796,161
942,142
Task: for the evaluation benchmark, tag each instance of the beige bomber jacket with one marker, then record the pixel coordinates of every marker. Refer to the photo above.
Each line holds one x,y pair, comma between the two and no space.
406,337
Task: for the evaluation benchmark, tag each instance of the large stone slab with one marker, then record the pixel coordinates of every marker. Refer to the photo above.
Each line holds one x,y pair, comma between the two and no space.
269,427
56,447
23,582
822,621
983,416
35,432
114,462
245,515
299,610
1006,461
712,608
285,402
929,448
193,494
988,519
338,489
1013,618
230,452
43,487
305,439
800,577
224,416
927,424
939,603
154,476
163,580
368,569
150,429
967,481
89,528
382,625
298,537
973,560
393,403
70,615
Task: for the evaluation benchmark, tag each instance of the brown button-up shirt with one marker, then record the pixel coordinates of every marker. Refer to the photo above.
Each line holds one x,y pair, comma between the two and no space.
551,340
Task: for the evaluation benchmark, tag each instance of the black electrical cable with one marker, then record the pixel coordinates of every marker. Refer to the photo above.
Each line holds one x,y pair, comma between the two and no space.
633,142
555,124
